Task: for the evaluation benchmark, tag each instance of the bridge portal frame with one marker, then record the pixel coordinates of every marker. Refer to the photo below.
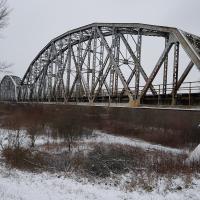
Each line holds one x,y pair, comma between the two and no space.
9,88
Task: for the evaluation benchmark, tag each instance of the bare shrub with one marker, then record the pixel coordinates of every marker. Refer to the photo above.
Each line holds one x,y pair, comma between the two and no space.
105,160
22,158
14,139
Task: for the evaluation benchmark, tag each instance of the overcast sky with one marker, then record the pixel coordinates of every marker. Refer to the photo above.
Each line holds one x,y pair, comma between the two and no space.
33,23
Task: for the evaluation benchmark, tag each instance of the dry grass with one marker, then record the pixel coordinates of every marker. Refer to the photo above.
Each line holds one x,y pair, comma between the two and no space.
23,159
106,159
106,163
102,160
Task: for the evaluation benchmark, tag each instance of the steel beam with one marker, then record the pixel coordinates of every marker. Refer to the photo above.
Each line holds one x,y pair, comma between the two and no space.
109,50
156,69
44,79
101,77
138,63
189,49
94,57
117,53
165,71
175,69
184,75
80,75
69,54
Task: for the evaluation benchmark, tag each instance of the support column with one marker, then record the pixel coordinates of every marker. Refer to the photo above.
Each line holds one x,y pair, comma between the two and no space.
165,71
69,54
137,71
112,71
117,52
88,65
175,72
94,58
79,89
101,63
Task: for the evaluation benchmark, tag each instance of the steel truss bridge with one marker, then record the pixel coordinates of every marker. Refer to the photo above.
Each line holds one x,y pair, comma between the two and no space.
102,62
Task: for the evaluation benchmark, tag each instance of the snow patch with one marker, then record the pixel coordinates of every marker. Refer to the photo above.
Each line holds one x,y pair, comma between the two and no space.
194,155
99,136
18,185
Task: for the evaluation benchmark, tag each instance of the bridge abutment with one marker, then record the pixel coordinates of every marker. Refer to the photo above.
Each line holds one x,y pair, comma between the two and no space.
134,103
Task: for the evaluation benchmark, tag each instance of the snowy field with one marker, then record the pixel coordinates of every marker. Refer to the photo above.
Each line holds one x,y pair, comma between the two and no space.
19,185
99,136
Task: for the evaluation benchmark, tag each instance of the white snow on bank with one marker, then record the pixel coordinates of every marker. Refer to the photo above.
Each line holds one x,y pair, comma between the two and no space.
40,140
17,185
8,136
194,155
99,136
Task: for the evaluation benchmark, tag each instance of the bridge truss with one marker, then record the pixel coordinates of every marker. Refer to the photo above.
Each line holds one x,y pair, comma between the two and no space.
102,61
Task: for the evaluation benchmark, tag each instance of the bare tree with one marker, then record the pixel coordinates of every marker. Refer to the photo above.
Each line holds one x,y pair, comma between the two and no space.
4,13
4,66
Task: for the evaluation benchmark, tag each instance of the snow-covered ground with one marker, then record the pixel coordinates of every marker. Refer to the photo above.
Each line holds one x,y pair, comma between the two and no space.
19,185
99,136
194,156
96,136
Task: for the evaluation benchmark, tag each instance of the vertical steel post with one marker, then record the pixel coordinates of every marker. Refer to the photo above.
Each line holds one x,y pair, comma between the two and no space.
158,94
94,58
189,93
112,71
88,66
165,71
49,75
175,72
60,64
137,72
69,54
101,63
79,60
117,53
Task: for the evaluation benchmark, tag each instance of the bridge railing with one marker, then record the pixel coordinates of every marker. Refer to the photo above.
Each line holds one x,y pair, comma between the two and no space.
187,89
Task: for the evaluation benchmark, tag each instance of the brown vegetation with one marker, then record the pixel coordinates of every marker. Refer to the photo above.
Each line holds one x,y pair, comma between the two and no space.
160,127
71,123
103,160
23,158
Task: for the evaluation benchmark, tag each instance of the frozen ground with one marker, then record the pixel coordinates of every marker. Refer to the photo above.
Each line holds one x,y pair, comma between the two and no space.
195,155
18,185
99,136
